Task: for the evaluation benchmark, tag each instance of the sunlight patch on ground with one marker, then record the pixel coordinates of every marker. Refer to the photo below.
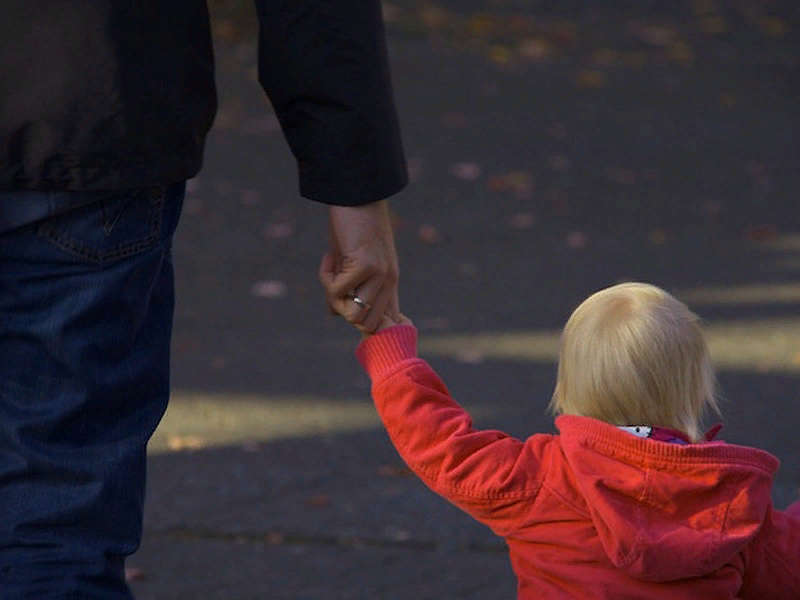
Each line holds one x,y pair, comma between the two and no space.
763,345
198,420
772,293
788,264
781,243
195,421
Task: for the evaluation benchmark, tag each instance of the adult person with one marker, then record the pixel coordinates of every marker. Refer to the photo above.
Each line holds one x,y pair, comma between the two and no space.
104,109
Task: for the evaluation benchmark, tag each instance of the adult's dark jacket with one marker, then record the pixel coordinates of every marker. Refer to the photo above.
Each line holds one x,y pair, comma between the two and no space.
102,95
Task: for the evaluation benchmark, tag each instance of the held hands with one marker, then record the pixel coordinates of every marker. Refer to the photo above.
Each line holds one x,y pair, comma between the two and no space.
360,272
328,274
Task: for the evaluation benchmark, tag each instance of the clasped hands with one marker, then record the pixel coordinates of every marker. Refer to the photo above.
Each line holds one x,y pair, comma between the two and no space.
360,273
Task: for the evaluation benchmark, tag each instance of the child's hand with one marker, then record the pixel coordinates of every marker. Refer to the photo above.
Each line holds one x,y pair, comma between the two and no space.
388,321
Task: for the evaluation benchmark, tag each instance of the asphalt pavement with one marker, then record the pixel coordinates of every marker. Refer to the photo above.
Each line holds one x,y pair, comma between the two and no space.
551,153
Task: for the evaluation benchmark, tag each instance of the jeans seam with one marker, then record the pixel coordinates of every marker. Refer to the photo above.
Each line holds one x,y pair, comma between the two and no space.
157,198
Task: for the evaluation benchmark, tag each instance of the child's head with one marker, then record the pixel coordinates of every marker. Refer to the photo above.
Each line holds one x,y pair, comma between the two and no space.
632,354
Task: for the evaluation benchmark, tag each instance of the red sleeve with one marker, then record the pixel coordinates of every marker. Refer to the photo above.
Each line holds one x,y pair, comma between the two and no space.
773,569
488,474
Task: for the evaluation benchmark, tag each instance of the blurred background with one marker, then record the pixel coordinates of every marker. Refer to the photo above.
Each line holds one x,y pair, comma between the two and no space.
554,147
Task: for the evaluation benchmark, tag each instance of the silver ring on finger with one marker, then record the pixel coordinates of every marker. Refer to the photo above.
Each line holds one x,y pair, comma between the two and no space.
361,303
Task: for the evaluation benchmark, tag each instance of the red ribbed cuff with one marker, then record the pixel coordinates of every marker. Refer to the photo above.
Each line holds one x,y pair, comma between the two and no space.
381,352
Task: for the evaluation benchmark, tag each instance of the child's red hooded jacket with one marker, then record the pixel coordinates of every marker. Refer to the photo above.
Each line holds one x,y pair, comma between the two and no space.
594,512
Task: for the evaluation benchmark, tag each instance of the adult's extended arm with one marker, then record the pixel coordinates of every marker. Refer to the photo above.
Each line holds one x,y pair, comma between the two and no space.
325,68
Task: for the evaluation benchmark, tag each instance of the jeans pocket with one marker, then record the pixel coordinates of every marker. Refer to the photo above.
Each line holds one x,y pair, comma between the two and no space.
112,228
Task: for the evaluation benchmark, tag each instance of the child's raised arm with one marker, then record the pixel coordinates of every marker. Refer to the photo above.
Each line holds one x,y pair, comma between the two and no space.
488,474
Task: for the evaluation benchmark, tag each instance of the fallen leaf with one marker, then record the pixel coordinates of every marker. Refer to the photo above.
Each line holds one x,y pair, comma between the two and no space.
519,183
275,538
480,24
278,231
604,57
657,237
219,362
704,7
192,185
260,126
754,168
179,443
223,187
467,269
559,163
728,99
454,120
712,208
249,197
577,239
637,58
500,54
193,206
428,234
398,223
395,471
225,29
134,574
681,51
414,169
622,176
470,356
761,233
433,17
535,49
524,220
319,501
564,34
590,79
468,171
557,131
774,26
400,535
714,25
269,289
657,35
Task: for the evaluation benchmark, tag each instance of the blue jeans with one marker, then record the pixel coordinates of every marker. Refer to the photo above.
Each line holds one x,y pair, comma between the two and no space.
86,305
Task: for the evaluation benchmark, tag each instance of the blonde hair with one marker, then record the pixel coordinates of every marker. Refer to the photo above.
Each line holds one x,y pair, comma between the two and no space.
632,354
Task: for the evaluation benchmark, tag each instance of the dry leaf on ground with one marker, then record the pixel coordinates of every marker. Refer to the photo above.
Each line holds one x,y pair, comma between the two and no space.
135,574
179,443
269,289
395,471
428,234
468,171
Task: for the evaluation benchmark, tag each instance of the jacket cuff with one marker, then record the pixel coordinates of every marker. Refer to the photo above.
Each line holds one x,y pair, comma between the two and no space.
382,352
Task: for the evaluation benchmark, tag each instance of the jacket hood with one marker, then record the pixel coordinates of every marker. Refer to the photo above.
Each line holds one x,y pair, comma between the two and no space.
666,511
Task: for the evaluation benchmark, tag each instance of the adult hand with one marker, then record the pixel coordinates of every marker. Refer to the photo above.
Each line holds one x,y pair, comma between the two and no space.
362,263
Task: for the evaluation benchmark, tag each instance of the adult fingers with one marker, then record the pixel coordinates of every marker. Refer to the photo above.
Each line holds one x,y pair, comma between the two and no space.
380,305
362,277
327,275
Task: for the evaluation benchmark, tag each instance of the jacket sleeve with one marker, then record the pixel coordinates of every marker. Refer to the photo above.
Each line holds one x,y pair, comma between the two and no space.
773,561
325,68
488,474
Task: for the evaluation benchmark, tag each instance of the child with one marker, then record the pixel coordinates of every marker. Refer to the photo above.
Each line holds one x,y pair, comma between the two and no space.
630,500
